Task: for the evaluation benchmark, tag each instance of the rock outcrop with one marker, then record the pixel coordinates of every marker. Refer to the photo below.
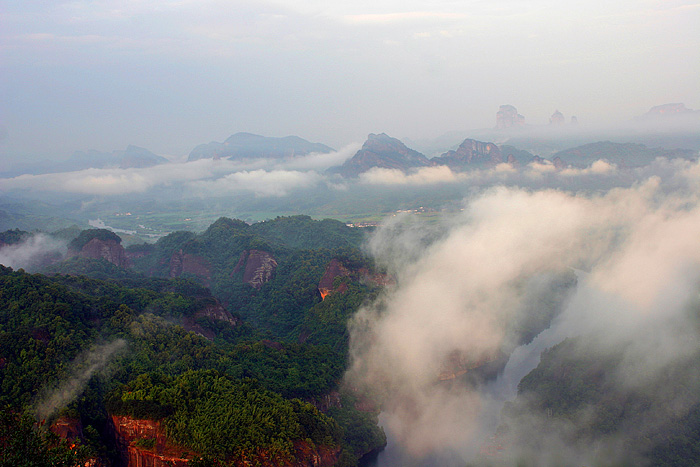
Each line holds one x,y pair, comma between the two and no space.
258,267
109,250
214,311
182,263
143,444
471,154
384,152
557,118
334,269
508,117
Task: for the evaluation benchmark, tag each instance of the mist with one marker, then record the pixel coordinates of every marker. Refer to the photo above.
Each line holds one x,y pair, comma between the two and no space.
460,289
32,252
82,368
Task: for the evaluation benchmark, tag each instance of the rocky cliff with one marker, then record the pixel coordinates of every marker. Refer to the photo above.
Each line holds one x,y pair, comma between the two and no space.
109,250
258,267
186,263
213,311
508,117
334,269
471,154
143,444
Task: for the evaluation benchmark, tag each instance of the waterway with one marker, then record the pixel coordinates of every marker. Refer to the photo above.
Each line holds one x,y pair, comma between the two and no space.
99,224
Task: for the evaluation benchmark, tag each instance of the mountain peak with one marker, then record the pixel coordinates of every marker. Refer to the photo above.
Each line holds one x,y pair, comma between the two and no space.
251,146
383,151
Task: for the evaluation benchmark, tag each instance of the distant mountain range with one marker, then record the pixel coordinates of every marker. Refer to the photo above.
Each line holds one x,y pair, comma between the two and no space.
631,147
620,154
131,157
250,146
383,151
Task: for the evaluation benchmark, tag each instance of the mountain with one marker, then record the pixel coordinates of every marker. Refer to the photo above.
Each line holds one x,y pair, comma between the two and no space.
138,158
229,345
666,111
621,154
384,152
250,146
471,154
131,157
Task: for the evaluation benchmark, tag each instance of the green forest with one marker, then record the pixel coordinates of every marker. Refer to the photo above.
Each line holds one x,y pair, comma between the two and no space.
85,339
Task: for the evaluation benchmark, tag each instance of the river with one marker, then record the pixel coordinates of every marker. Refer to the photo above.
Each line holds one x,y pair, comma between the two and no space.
99,224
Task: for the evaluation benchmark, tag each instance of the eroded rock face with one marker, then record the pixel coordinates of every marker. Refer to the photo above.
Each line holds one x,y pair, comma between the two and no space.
334,269
258,267
67,428
131,432
105,249
471,154
186,263
557,118
508,117
215,311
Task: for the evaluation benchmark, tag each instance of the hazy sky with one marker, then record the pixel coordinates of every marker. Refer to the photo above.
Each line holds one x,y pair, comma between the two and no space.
168,75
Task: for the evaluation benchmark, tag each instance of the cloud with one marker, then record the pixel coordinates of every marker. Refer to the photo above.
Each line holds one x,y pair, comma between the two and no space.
260,182
114,181
32,252
318,161
599,167
459,288
384,18
424,176
83,368
204,176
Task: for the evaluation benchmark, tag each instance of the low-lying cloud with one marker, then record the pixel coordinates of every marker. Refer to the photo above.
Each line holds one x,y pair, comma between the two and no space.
32,252
83,368
259,182
459,290
203,176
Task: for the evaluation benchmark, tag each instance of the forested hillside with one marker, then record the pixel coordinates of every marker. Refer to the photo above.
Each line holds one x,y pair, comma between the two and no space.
230,364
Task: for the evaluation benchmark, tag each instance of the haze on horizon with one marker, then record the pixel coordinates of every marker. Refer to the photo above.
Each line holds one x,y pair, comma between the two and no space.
168,75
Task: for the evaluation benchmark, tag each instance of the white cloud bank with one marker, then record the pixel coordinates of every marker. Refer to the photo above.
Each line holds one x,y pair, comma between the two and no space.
264,177
457,296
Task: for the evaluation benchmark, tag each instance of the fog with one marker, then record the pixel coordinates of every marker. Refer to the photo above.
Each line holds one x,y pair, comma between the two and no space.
32,252
80,370
460,288
170,75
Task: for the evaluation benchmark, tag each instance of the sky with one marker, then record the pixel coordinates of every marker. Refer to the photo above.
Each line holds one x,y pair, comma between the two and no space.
169,75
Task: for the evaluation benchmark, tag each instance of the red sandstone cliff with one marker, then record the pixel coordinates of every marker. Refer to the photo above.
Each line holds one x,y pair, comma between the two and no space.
187,263
258,267
214,311
334,269
134,435
110,250
471,154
